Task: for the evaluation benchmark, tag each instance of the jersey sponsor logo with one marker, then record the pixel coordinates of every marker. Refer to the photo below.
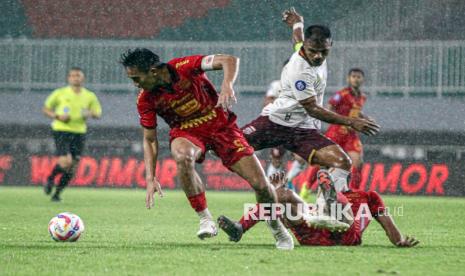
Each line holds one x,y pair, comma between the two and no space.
300,85
188,108
181,63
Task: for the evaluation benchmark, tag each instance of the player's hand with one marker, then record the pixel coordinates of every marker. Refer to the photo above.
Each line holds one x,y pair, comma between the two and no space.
290,17
227,97
64,118
86,114
367,127
408,242
152,186
278,179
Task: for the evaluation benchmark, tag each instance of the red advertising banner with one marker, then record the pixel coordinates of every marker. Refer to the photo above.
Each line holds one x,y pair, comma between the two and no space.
115,171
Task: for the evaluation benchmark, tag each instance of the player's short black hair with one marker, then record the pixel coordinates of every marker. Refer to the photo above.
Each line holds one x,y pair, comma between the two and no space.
318,33
75,68
357,70
141,58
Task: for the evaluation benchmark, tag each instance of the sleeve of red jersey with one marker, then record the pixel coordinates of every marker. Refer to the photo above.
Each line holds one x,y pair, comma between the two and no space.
191,65
376,203
335,99
147,114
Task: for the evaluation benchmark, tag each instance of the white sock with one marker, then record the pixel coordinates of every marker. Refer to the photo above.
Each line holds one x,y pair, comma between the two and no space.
205,215
296,168
340,177
271,170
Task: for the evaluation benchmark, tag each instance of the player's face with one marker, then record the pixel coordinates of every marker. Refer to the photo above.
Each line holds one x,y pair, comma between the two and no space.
75,78
355,79
316,52
143,80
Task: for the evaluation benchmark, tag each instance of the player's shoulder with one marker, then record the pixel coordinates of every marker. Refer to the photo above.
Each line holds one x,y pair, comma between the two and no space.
275,85
144,97
344,92
297,63
180,63
373,195
89,92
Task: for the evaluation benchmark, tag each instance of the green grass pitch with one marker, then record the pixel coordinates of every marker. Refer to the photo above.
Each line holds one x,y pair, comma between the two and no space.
122,237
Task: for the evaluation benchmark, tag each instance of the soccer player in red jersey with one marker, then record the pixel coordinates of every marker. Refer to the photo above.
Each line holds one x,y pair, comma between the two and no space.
349,102
199,119
364,206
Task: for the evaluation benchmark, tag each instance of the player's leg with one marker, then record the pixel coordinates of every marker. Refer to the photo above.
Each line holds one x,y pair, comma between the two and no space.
355,150
298,165
185,153
76,146
338,162
299,211
62,151
318,149
249,168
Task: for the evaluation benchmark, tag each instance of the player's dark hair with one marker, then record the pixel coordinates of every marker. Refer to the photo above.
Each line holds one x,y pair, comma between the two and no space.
318,33
141,58
357,70
75,68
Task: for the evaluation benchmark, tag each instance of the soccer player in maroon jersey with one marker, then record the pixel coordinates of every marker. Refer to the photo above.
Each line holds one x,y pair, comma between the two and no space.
199,119
363,207
349,102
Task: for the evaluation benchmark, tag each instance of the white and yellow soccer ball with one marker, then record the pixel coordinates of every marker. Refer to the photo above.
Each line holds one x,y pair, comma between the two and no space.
66,227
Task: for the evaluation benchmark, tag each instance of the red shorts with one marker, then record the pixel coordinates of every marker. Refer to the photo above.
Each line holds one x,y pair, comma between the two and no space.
224,138
346,138
263,133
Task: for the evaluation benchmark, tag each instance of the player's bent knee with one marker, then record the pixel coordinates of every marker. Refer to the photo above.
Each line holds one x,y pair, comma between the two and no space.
183,159
344,162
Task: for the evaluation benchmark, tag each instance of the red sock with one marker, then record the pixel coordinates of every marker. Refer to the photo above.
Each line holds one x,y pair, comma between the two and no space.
198,202
355,178
250,221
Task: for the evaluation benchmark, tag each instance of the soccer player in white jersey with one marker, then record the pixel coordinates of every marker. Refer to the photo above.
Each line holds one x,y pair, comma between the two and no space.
277,155
293,120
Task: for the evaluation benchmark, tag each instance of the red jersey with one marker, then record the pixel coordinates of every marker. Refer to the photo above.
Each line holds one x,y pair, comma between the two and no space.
189,102
371,202
347,104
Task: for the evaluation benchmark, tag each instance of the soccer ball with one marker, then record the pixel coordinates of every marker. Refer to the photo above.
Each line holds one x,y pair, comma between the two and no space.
66,227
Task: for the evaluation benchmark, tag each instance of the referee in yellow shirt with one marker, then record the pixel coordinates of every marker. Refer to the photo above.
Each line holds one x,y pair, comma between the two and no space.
69,107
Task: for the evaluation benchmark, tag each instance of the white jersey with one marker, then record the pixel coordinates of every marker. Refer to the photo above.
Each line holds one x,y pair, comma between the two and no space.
274,89
299,81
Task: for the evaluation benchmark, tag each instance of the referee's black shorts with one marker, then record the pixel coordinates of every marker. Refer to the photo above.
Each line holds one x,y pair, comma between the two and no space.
67,142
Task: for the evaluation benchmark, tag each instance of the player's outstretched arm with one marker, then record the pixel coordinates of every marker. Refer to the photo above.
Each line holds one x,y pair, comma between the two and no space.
362,125
150,145
295,21
393,233
230,66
